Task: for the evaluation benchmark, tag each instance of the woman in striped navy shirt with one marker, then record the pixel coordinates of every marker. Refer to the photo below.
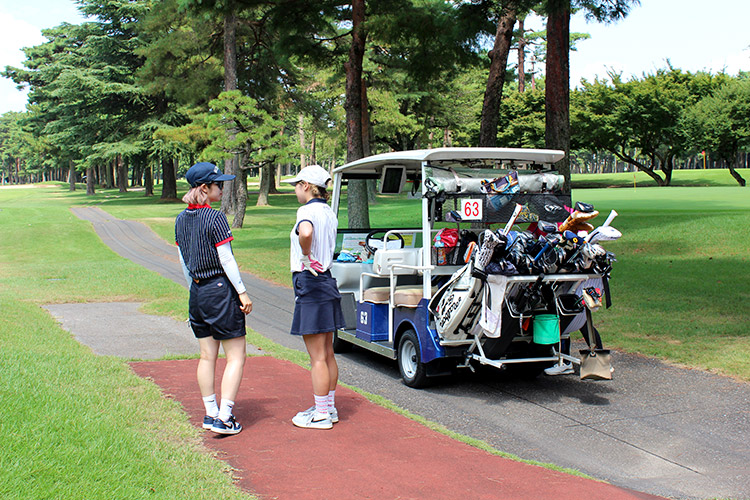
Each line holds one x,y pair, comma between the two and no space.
317,302
218,298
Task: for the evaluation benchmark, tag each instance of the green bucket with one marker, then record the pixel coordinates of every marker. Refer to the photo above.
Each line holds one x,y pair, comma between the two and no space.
546,329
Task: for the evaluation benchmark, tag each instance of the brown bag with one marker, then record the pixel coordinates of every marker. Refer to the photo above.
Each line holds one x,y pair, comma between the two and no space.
595,363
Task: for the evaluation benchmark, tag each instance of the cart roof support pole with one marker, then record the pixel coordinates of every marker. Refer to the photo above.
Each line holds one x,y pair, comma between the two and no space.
426,240
336,193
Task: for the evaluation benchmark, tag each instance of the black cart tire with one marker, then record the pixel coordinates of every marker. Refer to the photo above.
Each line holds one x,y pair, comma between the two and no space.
413,370
339,345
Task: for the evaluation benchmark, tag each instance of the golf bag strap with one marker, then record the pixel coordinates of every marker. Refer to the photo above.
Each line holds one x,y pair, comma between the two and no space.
605,285
590,329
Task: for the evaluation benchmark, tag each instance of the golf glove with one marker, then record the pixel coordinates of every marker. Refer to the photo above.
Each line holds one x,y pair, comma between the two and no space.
312,265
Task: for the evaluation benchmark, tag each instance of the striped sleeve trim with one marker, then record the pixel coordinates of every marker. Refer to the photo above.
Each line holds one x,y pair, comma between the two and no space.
224,241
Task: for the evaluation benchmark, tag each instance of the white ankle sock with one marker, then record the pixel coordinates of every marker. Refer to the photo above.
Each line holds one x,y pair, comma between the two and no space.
331,400
321,406
212,410
226,409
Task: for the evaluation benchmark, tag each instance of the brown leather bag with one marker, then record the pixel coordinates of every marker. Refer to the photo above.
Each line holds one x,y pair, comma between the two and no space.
596,364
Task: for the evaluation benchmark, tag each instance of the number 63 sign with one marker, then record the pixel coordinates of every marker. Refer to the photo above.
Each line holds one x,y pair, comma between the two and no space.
471,209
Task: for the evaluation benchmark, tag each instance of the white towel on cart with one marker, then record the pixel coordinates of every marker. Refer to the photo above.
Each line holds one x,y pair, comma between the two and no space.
492,305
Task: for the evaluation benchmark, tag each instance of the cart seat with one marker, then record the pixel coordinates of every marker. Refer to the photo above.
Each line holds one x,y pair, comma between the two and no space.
386,261
405,295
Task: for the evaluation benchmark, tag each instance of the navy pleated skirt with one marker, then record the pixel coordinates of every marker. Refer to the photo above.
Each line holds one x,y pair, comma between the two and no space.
317,304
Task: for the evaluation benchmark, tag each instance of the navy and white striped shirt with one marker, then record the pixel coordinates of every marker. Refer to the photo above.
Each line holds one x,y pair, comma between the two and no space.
198,231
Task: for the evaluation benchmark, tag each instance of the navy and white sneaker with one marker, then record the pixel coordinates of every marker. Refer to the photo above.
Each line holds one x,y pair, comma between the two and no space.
208,421
231,426
333,413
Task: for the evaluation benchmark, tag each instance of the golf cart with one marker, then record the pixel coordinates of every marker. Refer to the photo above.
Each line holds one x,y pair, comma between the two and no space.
450,284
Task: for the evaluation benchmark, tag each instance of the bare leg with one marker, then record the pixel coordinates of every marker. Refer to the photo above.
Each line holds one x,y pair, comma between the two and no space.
333,367
235,349
323,369
207,365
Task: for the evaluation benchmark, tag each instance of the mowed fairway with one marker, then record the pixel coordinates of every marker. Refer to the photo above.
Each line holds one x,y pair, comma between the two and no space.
680,285
77,425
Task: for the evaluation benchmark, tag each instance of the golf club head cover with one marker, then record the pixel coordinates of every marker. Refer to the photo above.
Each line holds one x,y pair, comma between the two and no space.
592,298
577,227
584,207
577,217
489,242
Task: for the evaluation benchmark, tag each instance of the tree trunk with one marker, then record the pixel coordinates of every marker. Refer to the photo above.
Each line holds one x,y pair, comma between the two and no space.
229,202
365,115
264,187
90,181
731,166
274,173
239,215
276,170
313,148
71,176
557,85
521,58
148,180
301,130
493,93
122,174
648,170
372,184
169,184
667,165
109,170
357,208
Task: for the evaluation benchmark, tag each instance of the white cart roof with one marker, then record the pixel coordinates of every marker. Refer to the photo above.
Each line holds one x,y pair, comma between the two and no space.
412,160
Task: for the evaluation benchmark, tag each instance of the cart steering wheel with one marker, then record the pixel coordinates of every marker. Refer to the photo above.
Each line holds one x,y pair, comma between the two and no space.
371,235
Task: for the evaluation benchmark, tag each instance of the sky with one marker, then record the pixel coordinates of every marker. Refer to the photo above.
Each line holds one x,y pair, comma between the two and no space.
691,34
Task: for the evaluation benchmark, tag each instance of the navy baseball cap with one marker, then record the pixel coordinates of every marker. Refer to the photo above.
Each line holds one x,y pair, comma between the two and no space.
205,173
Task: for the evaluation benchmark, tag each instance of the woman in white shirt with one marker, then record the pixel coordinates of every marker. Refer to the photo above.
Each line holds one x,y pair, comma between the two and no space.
317,302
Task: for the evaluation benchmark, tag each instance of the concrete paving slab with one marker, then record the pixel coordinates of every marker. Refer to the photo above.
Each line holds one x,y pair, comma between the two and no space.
120,329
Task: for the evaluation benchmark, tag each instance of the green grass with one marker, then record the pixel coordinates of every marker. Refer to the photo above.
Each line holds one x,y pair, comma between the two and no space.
678,287
680,178
77,425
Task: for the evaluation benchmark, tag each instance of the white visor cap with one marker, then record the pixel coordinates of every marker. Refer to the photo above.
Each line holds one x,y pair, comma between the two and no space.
312,174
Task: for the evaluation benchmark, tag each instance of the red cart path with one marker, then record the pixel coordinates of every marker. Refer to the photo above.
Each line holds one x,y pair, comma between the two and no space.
371,453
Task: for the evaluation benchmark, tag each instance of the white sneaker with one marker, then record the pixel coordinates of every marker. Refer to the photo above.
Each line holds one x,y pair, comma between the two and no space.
333,413
311,421
560,369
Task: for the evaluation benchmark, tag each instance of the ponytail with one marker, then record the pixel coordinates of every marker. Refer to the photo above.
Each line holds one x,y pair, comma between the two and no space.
320,192
195,196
